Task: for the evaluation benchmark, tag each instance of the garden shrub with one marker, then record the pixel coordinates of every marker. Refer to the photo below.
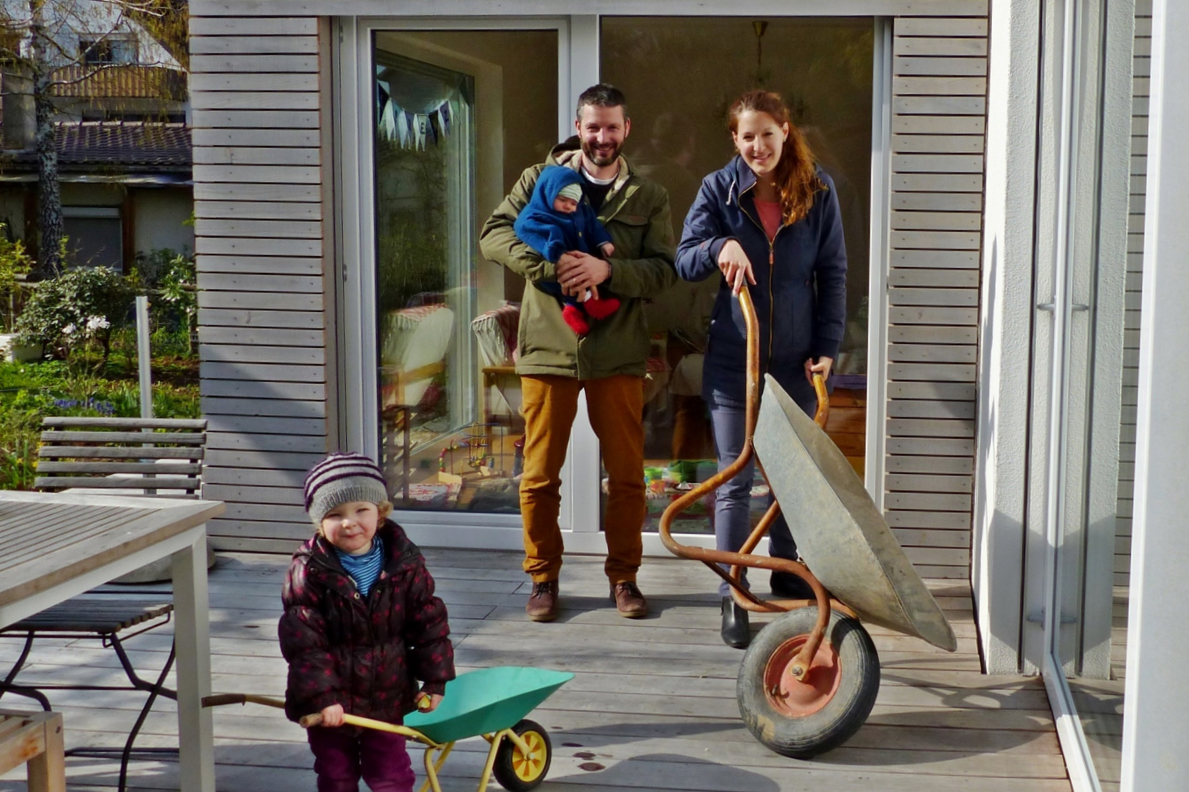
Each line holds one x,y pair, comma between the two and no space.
14,261
169,278
81,305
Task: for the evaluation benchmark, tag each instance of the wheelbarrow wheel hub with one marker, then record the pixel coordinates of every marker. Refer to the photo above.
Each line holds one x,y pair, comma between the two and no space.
528,766
798,696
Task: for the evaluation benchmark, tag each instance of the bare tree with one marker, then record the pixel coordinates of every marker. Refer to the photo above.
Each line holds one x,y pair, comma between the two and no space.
50,47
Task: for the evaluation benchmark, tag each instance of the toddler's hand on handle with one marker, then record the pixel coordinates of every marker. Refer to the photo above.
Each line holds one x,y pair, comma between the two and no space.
427,702
735,266
332,716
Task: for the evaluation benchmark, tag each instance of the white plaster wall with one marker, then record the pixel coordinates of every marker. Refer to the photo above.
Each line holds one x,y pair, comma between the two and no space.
68,19
1004,332
160,215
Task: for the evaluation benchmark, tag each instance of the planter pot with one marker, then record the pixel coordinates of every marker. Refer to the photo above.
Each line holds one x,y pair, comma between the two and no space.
18,353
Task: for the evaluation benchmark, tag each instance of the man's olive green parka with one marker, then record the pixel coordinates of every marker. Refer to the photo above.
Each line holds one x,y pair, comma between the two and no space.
636,215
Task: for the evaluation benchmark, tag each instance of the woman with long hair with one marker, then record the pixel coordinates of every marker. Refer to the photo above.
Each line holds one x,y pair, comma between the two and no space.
770,222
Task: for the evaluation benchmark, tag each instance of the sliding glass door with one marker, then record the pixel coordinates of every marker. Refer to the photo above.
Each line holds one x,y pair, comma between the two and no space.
445,124
440,117
823,68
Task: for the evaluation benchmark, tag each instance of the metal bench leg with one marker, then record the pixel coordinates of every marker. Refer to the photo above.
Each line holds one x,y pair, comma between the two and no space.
7,685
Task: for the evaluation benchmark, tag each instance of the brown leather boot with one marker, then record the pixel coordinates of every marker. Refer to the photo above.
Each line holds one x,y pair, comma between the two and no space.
542,603
628,600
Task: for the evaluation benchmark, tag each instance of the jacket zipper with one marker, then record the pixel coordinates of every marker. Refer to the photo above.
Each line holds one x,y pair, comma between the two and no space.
771,267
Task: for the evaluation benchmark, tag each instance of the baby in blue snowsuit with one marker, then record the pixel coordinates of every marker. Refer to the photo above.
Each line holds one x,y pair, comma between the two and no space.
559,219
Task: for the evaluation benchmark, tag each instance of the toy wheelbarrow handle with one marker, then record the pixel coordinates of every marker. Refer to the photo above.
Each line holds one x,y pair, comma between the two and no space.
315,719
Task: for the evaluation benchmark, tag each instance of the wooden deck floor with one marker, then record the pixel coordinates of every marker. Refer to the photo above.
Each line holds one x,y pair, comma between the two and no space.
652,708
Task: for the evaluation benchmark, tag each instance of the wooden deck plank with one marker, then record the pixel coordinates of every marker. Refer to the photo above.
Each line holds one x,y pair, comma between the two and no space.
652,706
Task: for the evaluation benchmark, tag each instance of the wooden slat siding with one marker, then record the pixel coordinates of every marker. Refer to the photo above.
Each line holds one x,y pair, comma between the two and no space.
938,124
1141,68
259,237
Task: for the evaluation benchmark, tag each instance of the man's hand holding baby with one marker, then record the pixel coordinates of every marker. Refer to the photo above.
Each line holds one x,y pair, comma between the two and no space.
578,271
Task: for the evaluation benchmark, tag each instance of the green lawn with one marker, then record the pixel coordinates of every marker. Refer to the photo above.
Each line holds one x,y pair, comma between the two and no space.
85,385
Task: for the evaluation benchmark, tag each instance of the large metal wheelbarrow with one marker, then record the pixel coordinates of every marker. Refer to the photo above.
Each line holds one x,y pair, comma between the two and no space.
490,703
810,677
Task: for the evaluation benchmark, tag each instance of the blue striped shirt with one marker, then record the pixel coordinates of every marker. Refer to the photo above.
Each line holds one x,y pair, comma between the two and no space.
364,569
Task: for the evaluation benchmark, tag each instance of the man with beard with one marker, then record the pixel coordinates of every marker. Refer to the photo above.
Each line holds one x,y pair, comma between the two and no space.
608,362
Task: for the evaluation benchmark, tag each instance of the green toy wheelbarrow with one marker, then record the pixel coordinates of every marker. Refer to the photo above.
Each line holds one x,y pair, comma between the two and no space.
490,703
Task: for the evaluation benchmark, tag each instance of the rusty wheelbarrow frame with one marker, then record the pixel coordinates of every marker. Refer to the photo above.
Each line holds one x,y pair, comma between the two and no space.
794,671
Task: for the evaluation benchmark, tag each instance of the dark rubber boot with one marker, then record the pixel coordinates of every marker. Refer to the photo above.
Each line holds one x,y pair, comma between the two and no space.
736,631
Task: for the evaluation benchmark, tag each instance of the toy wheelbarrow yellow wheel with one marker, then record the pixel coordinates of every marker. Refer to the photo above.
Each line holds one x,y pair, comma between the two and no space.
517,771
802,716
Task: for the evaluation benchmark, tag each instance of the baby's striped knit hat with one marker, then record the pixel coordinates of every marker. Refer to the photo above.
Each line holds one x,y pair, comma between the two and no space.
342,478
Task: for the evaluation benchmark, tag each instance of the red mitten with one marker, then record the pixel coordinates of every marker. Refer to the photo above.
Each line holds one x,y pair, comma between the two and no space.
602,307
575,319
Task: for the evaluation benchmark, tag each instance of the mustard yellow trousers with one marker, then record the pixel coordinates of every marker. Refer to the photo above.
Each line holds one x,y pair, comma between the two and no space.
616,406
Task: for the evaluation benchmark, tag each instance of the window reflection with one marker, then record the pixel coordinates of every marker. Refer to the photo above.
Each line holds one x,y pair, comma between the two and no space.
458,115
680,75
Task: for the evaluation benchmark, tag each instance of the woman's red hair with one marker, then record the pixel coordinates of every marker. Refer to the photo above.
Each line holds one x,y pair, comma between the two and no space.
796,174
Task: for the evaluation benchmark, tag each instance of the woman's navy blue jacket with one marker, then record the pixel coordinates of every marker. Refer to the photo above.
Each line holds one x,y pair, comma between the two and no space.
800,289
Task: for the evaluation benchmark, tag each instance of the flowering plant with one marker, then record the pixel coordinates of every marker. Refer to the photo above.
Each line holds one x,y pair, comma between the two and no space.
78,308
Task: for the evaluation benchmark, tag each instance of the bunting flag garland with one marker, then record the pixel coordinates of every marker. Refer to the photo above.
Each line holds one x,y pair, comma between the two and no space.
409,129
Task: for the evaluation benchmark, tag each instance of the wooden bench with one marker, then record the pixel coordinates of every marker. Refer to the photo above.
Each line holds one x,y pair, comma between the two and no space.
35,740
121,455
117,456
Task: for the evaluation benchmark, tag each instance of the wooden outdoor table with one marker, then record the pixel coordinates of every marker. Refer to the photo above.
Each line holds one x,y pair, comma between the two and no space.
54,546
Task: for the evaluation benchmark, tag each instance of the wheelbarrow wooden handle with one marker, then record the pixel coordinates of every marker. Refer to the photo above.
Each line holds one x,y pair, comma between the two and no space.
823,400
221,699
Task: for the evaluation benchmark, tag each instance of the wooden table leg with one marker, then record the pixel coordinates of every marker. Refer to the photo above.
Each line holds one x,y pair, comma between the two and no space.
192,634
47,770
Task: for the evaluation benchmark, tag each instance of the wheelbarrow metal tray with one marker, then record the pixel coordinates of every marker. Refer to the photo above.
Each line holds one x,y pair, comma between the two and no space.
486,701
839,531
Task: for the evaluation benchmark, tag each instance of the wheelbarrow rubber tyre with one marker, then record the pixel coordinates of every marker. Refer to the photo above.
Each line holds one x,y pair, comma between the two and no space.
823,719
511,770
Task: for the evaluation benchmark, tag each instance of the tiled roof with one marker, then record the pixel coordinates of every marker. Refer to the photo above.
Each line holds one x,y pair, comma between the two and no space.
123,146
123,82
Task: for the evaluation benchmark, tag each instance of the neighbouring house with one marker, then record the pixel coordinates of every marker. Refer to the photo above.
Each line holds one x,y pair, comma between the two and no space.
126,189
991,161
121,136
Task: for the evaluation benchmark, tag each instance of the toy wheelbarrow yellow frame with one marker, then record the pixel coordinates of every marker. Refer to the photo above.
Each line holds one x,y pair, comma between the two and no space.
490,703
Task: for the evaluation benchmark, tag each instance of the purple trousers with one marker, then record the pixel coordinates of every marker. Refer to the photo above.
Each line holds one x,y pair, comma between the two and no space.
345,754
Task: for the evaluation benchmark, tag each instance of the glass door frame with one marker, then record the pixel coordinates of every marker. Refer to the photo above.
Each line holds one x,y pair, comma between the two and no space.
1073,557
578,68
356,254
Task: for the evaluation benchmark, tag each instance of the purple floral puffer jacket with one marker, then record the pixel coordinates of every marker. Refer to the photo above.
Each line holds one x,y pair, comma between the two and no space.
366,654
